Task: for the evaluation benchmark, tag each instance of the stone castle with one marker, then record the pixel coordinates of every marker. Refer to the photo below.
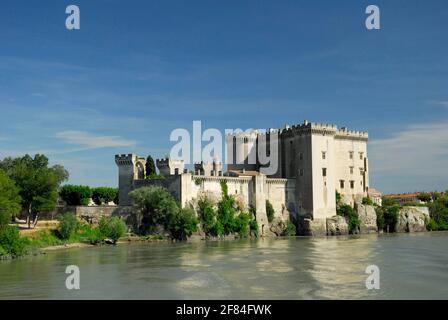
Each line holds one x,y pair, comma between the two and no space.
314,161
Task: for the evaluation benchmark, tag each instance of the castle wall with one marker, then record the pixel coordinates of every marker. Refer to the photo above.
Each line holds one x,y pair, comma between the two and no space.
275,191
323,171
348,169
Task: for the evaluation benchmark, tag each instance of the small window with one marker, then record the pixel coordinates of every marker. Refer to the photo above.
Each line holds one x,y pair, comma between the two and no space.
324,172
324,155
301,172
301,156
351,170
350,154
361,171
352,184
341,184
361,155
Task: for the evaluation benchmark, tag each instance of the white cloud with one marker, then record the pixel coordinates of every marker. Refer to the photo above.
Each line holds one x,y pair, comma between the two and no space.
443,103
89,141
414,158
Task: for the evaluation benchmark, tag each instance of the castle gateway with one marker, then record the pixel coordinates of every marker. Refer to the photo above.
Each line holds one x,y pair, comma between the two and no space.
314,161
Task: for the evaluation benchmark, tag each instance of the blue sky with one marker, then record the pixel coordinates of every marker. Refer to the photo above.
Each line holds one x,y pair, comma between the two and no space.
136,70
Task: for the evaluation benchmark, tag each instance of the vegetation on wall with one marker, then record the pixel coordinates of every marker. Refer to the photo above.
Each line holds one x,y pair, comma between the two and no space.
349,213
269,211
367,201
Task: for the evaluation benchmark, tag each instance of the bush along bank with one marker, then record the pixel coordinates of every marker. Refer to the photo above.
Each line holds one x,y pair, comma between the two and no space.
69,231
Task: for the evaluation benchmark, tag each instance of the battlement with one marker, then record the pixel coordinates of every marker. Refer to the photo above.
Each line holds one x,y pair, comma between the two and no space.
170,167
344,133
124,159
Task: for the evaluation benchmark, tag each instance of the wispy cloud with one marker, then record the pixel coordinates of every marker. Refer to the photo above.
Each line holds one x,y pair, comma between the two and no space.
417,154
90,141
443,103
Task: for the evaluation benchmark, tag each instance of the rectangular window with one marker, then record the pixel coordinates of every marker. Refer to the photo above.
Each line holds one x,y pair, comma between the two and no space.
324,172
361,155
341,184
324,155
301,156
350,154
352,184
361,171
301,172
351,170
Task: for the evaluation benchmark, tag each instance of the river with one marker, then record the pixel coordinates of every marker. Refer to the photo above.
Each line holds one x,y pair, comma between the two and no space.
412,266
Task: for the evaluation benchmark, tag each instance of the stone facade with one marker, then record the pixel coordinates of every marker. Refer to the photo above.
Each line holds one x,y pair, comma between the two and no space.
367,217
314,161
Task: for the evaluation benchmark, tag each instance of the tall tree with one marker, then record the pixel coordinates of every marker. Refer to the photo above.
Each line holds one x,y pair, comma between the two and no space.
150,166
37,182
9,199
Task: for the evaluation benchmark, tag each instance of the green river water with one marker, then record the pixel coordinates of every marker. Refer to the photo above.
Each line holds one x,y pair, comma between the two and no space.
412,266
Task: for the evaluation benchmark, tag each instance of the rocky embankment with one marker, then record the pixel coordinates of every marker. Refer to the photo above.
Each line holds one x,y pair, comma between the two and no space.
410,219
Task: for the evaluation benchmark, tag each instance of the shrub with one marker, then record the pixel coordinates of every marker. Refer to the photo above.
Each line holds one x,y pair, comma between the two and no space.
3,252
380,218
183,224
11,242
104,195
45,238
367,201
348,212
68,225
253,226
290,229
76,195
269,211
242,223
113,228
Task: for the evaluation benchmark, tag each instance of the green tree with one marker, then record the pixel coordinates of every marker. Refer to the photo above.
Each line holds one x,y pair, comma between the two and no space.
75,195
104,195
269,211
9,199
156,206
37,182
208,216
226,210
150,167
424,196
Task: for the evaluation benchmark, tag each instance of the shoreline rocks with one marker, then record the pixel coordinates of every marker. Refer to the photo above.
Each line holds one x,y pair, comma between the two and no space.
412,219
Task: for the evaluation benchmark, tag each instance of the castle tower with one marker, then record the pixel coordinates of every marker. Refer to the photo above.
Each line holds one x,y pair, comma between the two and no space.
130,168
168,167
